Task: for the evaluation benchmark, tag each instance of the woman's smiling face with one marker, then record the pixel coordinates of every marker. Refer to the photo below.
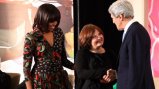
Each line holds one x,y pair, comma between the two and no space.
97,40
52,25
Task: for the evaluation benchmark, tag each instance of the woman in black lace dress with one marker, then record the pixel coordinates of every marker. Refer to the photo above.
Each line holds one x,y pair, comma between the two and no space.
45,44
95,66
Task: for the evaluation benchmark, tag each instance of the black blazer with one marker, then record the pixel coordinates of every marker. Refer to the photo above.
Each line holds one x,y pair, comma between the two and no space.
134,70
90,68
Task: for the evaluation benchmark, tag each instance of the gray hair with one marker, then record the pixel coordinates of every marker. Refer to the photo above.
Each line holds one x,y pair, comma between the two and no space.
121,7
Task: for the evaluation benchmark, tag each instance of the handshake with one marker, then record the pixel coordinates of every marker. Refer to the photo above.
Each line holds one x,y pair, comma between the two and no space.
110,76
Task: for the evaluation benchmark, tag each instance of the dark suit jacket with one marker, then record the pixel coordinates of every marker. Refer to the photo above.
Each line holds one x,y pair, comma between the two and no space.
134,71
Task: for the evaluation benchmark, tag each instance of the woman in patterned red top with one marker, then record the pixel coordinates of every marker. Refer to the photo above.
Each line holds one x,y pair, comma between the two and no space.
45,44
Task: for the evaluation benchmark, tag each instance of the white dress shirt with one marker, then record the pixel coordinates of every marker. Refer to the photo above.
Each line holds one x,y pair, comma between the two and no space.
126,28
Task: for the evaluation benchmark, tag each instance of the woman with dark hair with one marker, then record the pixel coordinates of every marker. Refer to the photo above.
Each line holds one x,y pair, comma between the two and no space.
45,44
95,66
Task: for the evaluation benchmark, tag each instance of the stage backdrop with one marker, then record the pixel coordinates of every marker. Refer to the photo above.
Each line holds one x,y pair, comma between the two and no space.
16,19
153,29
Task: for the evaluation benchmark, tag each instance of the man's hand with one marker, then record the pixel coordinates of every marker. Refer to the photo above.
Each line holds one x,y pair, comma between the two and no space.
109,76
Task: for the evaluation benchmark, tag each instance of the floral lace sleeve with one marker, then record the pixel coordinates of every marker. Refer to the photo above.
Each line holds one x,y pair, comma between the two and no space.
27,56
65,61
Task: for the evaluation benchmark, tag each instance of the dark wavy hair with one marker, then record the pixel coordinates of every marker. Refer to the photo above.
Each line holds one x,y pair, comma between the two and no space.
45,14
86,35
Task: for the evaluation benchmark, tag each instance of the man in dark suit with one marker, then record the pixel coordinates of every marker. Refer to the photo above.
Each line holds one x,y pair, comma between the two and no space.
134,71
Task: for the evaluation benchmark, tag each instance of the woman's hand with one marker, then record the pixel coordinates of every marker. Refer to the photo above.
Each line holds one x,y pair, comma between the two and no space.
103,81
28,84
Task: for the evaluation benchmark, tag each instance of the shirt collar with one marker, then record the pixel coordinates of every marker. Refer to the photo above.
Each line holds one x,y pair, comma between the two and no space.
128,25
126,28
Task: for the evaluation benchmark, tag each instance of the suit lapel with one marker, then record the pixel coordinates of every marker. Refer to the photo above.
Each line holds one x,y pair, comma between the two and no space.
128,32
